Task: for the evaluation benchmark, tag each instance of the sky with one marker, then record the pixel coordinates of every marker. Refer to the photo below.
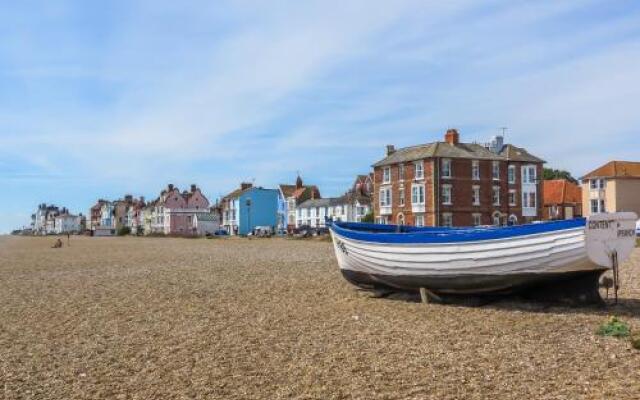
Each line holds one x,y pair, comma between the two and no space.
101,99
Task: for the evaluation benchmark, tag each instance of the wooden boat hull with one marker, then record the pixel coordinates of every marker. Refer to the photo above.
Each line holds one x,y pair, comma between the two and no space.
470,267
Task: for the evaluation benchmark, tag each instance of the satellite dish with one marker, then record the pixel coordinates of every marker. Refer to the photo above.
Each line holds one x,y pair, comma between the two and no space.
610,237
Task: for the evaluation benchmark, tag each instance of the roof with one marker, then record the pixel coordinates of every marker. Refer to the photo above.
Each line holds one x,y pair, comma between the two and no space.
326,202
206,217
461,150
561,191
616,169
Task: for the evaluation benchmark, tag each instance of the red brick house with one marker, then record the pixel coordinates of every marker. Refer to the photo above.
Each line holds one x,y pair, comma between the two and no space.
562,199
452,183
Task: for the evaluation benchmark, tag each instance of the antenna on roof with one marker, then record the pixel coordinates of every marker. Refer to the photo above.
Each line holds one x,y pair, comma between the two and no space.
504,131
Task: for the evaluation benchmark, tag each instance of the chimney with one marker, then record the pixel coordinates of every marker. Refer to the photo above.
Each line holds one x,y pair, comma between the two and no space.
142,199
390,149
496,144
170,187
452,137
193,188
128,198
245,185
298,182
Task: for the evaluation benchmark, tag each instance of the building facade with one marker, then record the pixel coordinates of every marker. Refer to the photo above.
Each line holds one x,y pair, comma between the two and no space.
562,200
613,187
452,183
230,206
291,196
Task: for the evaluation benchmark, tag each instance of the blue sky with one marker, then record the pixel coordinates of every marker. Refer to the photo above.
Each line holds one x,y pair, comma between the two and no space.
99,100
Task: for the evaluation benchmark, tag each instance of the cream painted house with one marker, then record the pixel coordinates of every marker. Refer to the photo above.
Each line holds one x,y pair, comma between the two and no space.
613,187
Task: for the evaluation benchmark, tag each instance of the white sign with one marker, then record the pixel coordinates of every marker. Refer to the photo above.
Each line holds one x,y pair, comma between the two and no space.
608,233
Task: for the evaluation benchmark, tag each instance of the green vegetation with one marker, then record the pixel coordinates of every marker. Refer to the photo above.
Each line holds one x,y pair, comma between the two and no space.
614,327
368,218
124,230
549,173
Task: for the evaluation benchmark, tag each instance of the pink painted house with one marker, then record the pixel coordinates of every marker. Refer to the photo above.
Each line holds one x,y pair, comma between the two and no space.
175,211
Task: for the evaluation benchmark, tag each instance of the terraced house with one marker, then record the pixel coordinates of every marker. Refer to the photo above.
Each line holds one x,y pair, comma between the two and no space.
451,183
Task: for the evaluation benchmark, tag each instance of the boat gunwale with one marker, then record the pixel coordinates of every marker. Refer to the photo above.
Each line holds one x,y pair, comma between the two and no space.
456,236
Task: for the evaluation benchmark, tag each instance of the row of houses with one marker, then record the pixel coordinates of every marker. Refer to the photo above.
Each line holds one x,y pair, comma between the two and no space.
443,183
186,213
452,183
50,219
290,207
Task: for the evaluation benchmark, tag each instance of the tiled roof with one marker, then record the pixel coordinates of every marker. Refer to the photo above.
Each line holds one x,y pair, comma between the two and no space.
460,150
561,191
326,202
616,169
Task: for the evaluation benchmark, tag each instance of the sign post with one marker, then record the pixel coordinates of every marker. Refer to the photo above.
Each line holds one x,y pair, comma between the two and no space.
610,239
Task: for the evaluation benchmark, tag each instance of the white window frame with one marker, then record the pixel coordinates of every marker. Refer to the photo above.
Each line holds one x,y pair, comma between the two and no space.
475,195
419,220
475,170
511,174
417,194
447,192
386,175
419,170
513,196
445,170
495,170
385,197
595,206
496,195
401,172
401,197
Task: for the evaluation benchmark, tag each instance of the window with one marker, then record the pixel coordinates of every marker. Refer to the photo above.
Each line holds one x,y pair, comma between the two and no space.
447,219
417,194
512,197
446,168
496,195
512,174
477,219
475,170
385,198
475,198
602,209
400,219
401,199
602,183
419,220
594,183
446,194
532,199
401,171
419,170
495,170
528,174
594,206
386,175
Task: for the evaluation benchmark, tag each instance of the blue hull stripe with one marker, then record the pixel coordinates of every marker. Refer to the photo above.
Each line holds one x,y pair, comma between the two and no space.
377,233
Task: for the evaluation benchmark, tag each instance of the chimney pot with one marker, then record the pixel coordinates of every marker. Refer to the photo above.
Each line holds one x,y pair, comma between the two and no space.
390,149
193,187
170,187
452,137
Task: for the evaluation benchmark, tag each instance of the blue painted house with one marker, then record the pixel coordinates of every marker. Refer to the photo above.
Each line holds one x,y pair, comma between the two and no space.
257,207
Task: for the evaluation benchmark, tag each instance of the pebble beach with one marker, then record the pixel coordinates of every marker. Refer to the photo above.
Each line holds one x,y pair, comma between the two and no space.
232,318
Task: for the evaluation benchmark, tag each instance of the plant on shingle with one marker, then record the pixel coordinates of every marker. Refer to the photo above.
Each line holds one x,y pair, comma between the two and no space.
614,327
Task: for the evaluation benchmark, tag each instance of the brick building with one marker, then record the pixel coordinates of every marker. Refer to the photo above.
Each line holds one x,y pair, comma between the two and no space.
562,200
458,184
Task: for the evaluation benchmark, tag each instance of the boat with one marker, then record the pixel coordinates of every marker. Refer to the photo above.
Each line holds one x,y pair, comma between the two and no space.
459,261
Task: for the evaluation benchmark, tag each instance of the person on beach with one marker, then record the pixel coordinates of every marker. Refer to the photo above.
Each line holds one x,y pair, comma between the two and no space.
57,244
